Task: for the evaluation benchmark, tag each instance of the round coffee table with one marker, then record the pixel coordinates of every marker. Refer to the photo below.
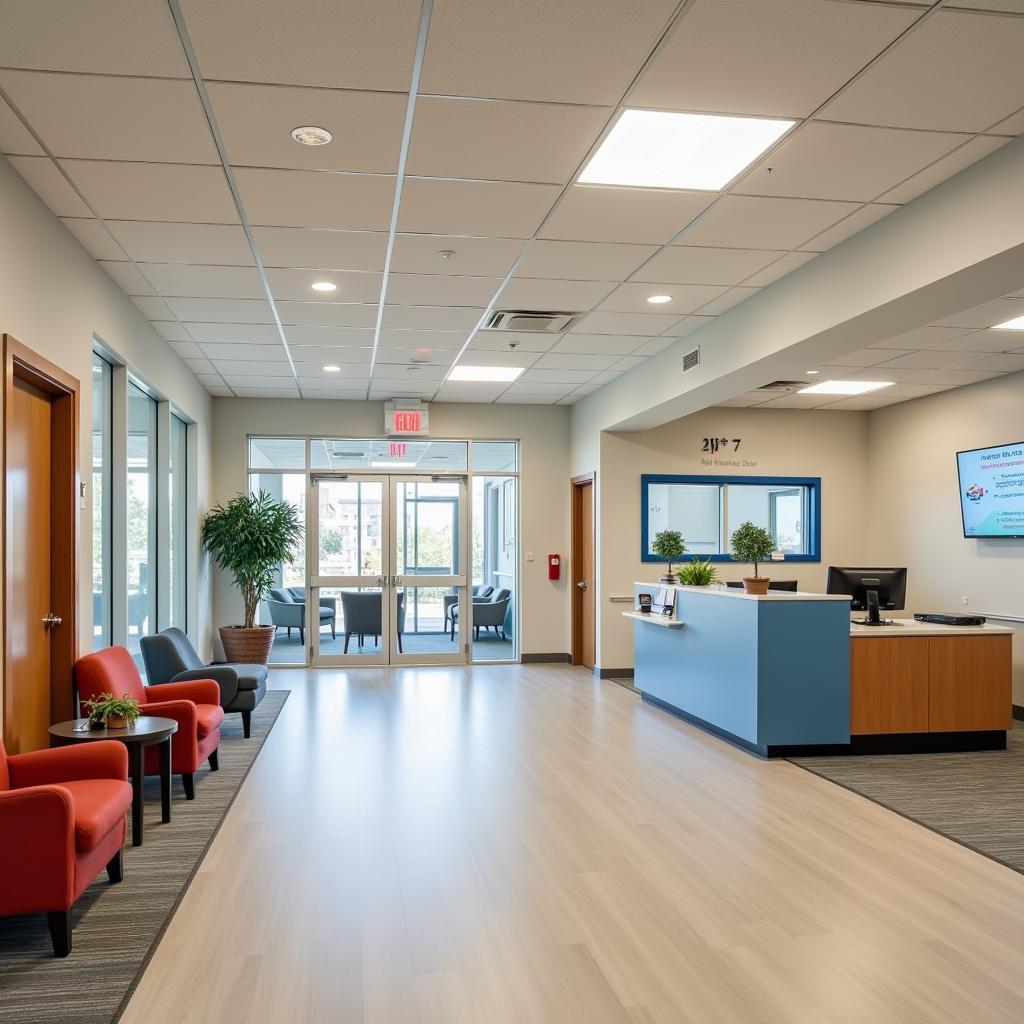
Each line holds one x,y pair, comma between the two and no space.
146,731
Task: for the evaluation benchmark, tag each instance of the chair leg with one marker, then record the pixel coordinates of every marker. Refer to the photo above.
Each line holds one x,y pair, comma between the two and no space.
115,867
188,780
214,761
302,636
60,931
247,724
289,632
346,644
334,631
400,651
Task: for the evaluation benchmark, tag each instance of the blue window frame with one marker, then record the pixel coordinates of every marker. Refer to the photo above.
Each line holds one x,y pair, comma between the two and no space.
707,509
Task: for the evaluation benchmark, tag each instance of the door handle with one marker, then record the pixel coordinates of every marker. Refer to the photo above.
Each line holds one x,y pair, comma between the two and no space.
396,581
50,620
382,581
582,585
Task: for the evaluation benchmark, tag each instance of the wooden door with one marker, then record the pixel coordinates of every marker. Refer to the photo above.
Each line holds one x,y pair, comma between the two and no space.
39,546
581,570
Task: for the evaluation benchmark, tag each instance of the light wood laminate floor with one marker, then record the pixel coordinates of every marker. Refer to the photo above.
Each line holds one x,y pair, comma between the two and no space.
524,844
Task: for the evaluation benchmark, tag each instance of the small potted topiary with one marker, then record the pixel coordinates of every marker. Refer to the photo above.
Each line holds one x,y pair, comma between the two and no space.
698,573
669,547
754,544
106,710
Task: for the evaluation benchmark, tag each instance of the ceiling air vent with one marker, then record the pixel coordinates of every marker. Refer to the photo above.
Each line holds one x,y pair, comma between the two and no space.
531,320
783,385
691,360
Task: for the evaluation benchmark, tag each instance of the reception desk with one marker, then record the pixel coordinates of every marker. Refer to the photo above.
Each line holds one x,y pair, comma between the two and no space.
789,673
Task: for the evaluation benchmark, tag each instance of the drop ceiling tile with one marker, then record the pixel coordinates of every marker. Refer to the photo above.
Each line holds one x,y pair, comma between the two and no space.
958,377
463,391
733,297
927,359
575,361
403,356
187,349
94,237
971,152
508,209
689,324
518,357
419,254
200,365
515,397
779,269
100,118
153,308
752,222
535,50
50,185
220,392
912,85
988,314
594,213
162,242
1013,125
976,341
1009,6
440,290
567,377
445,340
794,400
128,278
856,222
311,199
179,279
694,264
234,351
600,344
845,161
14,136
868,357
629,363
499,341
641,324
337,383
632,298
389,389
171,330
234,333
865,404
227,311
117,37
315,249
655,345
352,375
776,57
605,377
256,123
137,191
921,337
233,369
431,318
566,296
329,337
1008,362
404,376
583,261
352,286
267,392
558,138
327,314
210,380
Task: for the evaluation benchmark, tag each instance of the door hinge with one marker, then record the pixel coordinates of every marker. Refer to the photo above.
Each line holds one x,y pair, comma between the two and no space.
466,648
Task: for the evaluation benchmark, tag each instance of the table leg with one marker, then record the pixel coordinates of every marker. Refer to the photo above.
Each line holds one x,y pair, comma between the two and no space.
137,766
165,780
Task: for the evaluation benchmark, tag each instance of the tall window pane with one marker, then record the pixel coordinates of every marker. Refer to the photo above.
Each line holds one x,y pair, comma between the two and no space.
141,518
177,491
101,431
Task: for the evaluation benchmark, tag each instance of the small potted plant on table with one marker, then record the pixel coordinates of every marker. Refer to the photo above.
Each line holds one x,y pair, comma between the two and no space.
669,547
698,573
753,544
106,710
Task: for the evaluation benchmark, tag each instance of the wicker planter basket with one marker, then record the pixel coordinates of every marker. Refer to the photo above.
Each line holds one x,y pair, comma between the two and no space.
249,646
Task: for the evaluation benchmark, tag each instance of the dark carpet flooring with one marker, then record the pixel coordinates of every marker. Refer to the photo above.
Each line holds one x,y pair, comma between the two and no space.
117,927
975,799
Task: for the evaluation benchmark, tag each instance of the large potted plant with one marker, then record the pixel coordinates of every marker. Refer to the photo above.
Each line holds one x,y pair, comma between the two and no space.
754,544
669,547
251,538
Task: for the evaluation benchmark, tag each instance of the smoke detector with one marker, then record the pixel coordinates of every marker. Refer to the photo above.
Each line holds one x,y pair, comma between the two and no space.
533,321
311,135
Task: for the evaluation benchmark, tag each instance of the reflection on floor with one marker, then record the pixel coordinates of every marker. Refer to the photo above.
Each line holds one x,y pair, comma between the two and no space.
489,647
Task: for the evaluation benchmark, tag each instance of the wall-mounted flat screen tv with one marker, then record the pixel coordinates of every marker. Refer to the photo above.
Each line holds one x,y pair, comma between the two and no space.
992,490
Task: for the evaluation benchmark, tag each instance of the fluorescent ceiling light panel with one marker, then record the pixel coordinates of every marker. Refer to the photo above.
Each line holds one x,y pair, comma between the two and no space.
1016,324
663,149
486,374
846,387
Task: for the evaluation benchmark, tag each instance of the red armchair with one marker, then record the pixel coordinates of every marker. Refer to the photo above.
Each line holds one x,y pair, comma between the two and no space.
194,705
62,818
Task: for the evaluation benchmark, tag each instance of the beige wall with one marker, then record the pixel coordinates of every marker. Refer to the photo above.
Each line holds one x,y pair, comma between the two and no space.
543,431
914,506
55,299
832,445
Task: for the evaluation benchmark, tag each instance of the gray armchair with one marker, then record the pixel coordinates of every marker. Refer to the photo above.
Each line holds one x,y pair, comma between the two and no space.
362,614
480,592
288,612
170,658
488,613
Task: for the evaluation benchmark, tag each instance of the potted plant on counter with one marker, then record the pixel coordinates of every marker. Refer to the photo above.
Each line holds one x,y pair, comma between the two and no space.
750,543
669,547
106,710
251,538
698,573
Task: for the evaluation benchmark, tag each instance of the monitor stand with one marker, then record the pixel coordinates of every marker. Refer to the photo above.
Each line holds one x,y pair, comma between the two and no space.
874,618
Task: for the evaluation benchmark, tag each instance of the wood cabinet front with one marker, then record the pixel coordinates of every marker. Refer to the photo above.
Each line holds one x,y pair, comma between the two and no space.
888,685
971,683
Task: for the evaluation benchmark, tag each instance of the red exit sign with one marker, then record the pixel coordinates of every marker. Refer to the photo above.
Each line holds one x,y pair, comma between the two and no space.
406,418
408,422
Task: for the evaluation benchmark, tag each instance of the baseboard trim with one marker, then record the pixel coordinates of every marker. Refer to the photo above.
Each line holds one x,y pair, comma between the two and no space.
546,658
613,673
1018,712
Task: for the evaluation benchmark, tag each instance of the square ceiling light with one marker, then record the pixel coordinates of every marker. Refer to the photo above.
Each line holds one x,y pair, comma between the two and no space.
1016,324
663,149
486,374
846,387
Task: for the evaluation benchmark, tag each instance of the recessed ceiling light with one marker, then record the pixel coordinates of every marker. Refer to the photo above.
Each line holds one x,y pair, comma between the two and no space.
811,373
310,135
663,149
846,387
657,300
324,286
1016,324
486,374
331,368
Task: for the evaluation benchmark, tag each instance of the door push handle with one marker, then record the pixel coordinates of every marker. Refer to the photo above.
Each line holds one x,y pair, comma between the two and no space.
582,585
50,620
396,581
382,581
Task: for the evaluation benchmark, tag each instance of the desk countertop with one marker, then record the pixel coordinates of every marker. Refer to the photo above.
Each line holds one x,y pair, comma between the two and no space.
911,627
737,593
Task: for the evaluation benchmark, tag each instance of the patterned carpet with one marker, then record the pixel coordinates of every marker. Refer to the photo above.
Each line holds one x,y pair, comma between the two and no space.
117,927
975,799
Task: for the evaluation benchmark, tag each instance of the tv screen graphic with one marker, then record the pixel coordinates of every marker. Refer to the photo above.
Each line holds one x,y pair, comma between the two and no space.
992,490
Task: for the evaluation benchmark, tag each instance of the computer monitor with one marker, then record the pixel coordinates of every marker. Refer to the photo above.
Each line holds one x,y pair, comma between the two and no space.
871,590
790,585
